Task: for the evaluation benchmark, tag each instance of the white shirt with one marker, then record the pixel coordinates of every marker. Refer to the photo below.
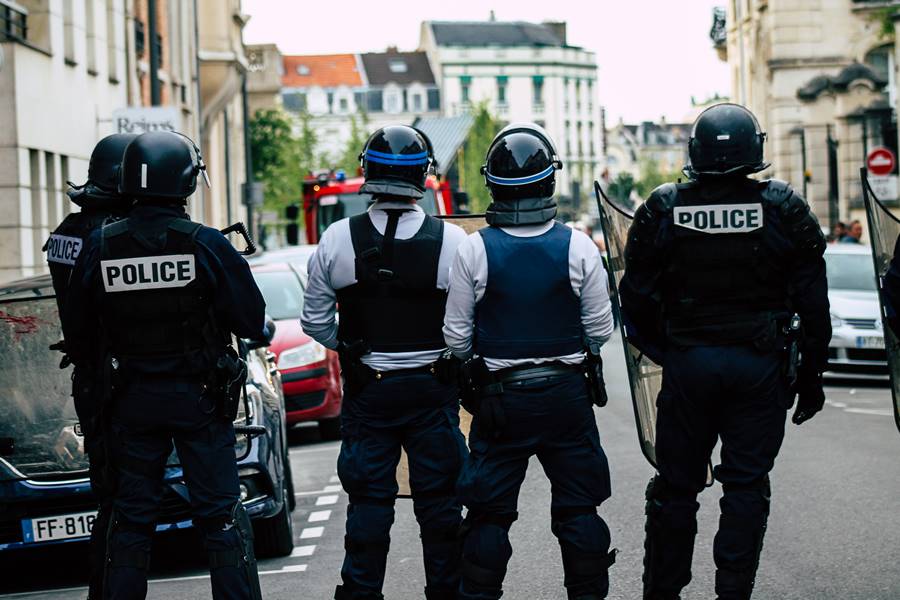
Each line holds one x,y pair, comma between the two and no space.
333,267
468,280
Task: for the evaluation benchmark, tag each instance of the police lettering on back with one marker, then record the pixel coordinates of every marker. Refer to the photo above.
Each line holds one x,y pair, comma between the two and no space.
729,218
148,273
63,249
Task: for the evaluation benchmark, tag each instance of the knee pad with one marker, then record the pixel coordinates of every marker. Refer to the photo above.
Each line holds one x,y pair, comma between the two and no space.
131,557
676,506
485,556
243,557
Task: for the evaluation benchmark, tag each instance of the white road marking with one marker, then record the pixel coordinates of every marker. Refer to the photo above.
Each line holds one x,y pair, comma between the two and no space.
327,500
319,515
870,411
328,448
301,551
312,532
285,569
332,488
836,404
334,479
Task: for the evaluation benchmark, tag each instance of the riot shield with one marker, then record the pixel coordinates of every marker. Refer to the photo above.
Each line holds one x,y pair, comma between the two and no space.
39,435
884,233
469,224
644,375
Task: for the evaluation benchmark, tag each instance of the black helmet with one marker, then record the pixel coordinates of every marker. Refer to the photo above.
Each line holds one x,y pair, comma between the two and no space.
161,165
520,172
395,161
726,140
101,188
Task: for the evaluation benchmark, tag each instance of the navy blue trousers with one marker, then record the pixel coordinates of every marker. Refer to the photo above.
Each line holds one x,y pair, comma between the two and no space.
740,395
421,415
149,415
553,420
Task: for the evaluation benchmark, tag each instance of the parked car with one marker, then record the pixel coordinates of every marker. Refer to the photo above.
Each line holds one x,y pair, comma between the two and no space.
296,256
311,374
45,494
857,339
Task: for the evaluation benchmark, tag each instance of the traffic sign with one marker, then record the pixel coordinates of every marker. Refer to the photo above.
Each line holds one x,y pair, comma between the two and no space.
881,161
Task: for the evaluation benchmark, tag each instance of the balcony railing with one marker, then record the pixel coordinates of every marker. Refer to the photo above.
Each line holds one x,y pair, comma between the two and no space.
13,21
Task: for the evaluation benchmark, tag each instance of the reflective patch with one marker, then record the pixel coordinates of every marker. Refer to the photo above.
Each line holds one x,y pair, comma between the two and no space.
723,137
720,218
63,249
148,272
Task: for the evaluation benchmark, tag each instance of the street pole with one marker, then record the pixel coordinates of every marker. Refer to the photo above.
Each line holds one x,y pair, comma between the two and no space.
155,90
248,156
803,164
832,180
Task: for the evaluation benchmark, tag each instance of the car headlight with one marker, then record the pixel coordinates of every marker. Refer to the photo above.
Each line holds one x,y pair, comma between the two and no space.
836,320
307,354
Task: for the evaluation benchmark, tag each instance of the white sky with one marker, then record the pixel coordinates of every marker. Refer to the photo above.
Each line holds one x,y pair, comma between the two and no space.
653,55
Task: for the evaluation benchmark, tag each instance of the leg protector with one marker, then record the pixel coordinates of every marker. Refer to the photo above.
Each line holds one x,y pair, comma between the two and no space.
98,550
242,558
127,558
348,592
584,543
739,541
669,543
486,552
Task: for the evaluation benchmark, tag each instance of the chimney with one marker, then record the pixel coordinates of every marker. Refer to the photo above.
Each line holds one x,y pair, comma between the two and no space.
558,28
492,17
392,49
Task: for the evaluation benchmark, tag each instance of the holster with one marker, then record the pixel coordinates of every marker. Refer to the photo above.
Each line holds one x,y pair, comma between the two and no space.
227,383
473,374
356,374
593,367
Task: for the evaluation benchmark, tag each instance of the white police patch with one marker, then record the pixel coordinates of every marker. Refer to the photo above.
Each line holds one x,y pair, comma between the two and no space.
63,249
720,218
148,272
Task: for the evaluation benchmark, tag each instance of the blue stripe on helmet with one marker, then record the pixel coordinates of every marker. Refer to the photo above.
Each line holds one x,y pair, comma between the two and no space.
400,163
378,154
520,180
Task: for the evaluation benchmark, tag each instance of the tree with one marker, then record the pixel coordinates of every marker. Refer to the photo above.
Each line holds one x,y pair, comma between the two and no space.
280,159
481,135
620,189
359,134
652,177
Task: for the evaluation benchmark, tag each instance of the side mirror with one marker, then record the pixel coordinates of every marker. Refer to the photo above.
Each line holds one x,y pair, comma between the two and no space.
266,340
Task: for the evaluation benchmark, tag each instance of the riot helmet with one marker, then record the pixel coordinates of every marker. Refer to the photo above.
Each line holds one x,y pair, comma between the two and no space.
726,139
161,165
520,172
396,161
101,190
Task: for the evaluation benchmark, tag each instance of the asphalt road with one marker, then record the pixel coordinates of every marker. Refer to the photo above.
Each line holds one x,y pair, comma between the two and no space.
834,531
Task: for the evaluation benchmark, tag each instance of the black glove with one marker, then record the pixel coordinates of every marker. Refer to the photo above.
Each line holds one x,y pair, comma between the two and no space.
593,365
446,368
491,419
810,396
356,374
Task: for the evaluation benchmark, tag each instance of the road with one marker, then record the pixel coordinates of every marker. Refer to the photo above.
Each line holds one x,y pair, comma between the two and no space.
834,531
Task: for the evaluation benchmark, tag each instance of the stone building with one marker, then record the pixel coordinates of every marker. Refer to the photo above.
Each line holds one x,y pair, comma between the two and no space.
629,146
821,77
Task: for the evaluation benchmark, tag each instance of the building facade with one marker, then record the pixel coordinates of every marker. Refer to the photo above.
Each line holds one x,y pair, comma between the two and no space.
74,71
629,147
525,72
821,77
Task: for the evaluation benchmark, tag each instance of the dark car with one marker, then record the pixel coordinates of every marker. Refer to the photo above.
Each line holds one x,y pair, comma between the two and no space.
45,496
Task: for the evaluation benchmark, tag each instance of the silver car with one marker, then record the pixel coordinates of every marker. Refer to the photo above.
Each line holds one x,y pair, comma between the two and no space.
857,340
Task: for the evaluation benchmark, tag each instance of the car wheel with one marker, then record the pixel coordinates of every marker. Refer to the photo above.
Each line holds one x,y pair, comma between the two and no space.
330,429
275,535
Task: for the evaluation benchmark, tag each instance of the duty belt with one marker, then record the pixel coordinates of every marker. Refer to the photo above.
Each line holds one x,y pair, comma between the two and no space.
379,375
526,374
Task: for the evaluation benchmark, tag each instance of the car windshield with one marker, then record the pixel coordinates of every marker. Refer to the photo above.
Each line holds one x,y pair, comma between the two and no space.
850,272
282,292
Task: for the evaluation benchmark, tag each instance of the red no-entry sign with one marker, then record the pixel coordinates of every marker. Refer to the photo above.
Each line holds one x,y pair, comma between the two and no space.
881,161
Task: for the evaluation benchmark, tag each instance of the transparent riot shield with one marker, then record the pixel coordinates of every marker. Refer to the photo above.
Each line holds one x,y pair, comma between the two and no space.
644,375
884,233
39,435
469,224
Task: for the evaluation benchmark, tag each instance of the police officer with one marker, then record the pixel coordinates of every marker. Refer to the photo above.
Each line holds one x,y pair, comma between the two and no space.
388,269
529,297
166,294
100,202
715,268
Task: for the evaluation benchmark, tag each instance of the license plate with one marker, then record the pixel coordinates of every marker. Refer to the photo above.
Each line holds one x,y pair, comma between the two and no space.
870,342
60,527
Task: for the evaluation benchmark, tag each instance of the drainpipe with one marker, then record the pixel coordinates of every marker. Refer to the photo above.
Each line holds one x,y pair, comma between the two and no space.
155,90
248,156
227,134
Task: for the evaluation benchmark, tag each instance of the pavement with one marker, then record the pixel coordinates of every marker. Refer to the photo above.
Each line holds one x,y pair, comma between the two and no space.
834,531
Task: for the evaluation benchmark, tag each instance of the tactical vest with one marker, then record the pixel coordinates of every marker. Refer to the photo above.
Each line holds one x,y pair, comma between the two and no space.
64,246
529,309
156,303
723,281
395,304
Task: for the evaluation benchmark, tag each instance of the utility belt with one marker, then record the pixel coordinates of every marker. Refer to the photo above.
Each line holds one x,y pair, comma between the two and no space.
357,375
762,328
519,375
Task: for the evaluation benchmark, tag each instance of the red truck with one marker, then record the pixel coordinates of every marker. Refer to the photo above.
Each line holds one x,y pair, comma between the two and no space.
330,197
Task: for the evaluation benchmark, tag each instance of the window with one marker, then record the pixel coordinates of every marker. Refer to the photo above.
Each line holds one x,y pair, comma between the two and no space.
566,93
417,102
302,70
91,34
69,31
294,101
590,95
397,65
591,137
393,101
580,145
434,99
465,82
567,134
359,99
112,56
502,82
330,101
342,102
375,101
577,94
537,88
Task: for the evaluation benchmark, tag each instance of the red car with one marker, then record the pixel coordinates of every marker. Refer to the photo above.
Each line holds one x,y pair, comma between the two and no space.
310,374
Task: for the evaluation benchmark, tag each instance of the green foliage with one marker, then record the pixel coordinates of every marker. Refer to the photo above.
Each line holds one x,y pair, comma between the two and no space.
652,177
481,135
620,189
280,158
359,134
884,18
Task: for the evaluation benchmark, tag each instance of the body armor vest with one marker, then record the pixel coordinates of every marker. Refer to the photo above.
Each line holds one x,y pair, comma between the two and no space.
64,246
395,304
156,304
529,309
724,281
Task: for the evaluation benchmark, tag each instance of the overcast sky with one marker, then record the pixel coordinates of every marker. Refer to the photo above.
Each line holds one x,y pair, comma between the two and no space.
653,55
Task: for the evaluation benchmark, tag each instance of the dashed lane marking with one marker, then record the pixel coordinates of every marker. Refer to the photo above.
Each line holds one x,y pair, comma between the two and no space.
319,515
332,488
870,411
302,551
326,500
329,448
312,532
285,569
334,479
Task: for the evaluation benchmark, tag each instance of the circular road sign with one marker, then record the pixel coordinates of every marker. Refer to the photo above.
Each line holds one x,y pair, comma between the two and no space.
881,161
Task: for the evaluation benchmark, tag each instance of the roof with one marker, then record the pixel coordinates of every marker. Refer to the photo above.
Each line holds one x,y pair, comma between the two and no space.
397,67
329,70
446,134
494,33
